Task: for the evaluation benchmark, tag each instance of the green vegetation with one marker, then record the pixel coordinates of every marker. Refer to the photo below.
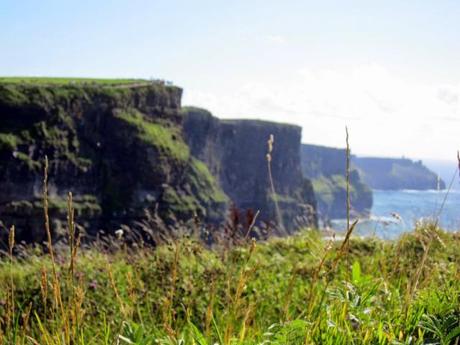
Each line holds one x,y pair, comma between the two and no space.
30,163
163,136
182,203
324,189
396,173
85,205
327,186
68,81
57,133
282,198
11,95
201,195
296,290
201,179
331,193
8,141
325,166
51,93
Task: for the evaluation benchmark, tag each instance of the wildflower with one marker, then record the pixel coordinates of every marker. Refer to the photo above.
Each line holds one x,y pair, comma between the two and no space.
119,233
93,285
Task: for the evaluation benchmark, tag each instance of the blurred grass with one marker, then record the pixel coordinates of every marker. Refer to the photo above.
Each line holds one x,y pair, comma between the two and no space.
282,291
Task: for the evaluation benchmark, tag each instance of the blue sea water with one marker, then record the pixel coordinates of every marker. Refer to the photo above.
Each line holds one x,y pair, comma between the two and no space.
395,212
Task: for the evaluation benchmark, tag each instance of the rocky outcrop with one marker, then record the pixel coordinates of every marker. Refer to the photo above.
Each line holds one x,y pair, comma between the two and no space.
235,152
118,148
326,166
396,173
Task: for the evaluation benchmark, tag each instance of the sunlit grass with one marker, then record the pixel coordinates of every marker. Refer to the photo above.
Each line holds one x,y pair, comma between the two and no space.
68,81
283,291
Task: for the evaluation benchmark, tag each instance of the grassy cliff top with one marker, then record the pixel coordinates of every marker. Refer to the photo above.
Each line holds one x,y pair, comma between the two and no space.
45,81
254,122
47,93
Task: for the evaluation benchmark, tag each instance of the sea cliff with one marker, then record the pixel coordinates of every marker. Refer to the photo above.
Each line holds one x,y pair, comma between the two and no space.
326,167
126,149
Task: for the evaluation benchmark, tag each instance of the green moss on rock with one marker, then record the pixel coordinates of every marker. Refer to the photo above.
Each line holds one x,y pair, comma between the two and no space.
162,136
30,163
85,205
325,166
204,183
280,198
9,141
182,203
199,194
331,192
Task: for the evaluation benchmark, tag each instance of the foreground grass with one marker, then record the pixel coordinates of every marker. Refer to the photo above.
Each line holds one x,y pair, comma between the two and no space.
296,290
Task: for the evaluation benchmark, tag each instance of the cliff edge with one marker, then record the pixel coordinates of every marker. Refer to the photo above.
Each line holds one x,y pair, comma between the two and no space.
126,147
326,166
118,147
397,173
235,152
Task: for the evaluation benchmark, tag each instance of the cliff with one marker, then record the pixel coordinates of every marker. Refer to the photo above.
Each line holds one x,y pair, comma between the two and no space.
126,147
326,166
235,152
394,173
117,146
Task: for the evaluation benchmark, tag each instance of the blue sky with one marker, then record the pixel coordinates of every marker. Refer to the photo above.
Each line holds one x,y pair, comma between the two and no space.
390,70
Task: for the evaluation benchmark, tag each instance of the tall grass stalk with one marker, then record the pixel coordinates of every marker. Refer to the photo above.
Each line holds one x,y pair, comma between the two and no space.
168,310
210,310
427,241
236,308
74,239
113,285
270,143
60,313
446,194
11,300
347,171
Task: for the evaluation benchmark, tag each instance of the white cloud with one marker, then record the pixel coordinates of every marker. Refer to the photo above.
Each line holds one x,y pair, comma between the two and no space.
278,39
386,114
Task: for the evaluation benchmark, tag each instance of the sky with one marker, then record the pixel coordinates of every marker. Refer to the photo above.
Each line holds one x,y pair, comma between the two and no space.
389,70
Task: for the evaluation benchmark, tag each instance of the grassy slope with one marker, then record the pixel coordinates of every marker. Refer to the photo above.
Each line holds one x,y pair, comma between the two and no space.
156,134
284,291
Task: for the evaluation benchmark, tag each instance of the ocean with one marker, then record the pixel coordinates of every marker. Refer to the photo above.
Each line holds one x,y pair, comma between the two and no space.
396,212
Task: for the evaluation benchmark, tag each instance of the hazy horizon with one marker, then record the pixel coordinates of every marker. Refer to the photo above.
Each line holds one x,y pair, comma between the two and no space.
388,71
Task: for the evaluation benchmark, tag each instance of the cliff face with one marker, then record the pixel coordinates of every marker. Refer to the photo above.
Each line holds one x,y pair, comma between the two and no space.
235,152
389,173
122,149
325,166
118,148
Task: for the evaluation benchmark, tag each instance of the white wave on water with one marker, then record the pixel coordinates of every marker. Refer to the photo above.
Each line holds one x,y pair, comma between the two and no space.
418,191
433,191
374,218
